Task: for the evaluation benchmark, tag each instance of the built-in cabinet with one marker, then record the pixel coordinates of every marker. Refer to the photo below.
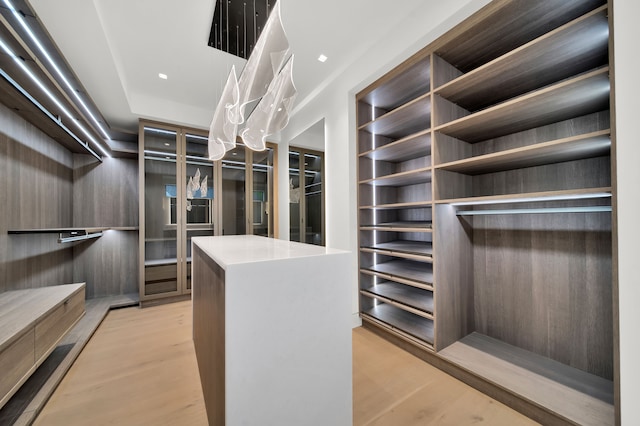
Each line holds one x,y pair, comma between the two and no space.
183,195
485,199
306,196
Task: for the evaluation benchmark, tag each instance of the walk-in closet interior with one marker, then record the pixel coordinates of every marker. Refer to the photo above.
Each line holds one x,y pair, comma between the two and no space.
472,164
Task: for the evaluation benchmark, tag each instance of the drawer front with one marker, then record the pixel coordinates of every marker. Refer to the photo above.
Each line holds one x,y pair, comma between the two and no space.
15,362
51,328
160,273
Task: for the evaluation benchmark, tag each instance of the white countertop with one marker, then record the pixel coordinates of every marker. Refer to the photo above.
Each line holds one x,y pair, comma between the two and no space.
236,249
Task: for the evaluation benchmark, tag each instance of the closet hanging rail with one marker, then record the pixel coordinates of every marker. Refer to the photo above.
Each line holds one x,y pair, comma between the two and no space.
591,209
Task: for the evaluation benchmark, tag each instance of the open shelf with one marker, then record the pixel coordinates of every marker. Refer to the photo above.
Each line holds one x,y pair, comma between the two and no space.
579,397
409,226
550,58
564,195
401,322
485,39
399,206
406,295
410,177
578,96
572,148
65,235
416,145
406,120
407,269
419,248
413,82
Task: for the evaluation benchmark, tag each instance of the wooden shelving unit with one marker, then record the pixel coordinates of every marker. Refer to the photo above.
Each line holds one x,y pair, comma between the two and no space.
407,269
455,257
404,322
575,97
406,295
550,58
578,147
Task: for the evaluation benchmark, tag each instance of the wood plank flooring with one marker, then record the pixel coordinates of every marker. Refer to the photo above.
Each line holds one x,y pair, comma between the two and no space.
140,369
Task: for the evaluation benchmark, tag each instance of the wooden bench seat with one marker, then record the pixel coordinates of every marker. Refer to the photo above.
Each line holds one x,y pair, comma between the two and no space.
32,322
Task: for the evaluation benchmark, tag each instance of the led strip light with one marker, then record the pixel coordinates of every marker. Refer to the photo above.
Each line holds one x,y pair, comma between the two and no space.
20,62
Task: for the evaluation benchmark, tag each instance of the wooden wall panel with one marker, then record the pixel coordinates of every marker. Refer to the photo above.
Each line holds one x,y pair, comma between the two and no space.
36,182
563,129
589,173
543,283
453,277
108,265
105,194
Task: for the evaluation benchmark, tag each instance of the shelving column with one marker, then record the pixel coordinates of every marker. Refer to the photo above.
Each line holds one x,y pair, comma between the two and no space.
395,203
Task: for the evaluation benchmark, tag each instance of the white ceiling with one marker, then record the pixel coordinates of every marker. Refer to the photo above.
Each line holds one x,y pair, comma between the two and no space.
118,47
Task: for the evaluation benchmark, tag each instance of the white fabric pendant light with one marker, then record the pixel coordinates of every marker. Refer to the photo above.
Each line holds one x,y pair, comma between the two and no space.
265,61
272,112
222,132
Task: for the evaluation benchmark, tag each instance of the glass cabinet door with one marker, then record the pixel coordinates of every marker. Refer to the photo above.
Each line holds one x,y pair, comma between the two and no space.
160,211
262,188
199,206
183,195
234,178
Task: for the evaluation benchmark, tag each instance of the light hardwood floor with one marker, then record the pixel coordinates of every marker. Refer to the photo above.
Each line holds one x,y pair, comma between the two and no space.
140,369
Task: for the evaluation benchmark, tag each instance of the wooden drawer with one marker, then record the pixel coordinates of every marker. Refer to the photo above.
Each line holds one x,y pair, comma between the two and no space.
160,273
51,328
158,287
15,362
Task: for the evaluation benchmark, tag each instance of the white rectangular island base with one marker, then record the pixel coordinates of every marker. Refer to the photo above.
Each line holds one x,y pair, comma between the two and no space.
272,331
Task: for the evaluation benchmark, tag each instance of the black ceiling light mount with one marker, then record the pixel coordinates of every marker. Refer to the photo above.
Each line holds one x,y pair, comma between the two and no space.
237,24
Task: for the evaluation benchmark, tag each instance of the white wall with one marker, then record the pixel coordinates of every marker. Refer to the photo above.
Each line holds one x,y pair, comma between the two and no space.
627,104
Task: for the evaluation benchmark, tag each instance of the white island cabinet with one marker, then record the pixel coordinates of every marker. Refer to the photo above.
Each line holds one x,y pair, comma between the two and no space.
272,331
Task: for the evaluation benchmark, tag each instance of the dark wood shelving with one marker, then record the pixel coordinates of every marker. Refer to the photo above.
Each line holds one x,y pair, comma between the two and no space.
573,148
413,146
402,321
403,121
410,177
407,269
517,122
400,206
505,25
414,82
578,96
407,226
410,296
552,57
420,248
545,196
580,397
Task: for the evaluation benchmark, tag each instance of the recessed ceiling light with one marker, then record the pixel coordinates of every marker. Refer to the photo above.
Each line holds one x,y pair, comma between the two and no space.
162,76
322,58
